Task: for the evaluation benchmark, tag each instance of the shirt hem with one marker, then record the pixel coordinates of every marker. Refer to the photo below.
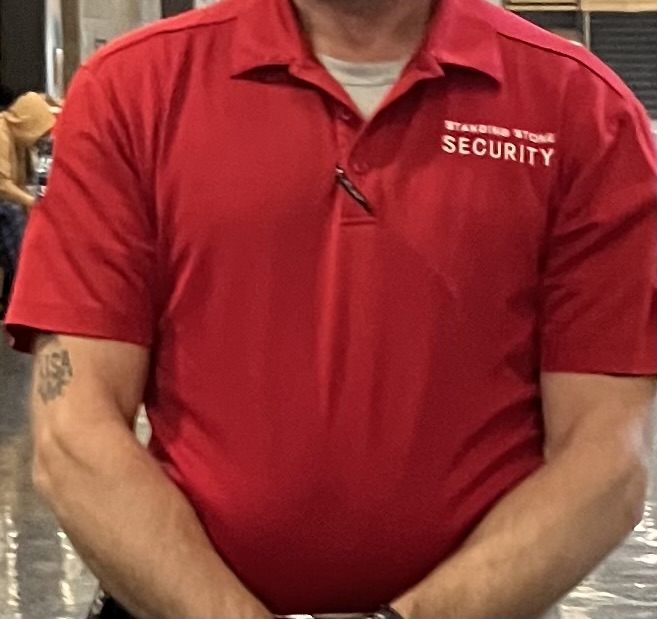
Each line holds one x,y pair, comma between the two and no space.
23,323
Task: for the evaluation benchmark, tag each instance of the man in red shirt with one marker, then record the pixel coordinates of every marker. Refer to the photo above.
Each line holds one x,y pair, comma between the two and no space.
382,274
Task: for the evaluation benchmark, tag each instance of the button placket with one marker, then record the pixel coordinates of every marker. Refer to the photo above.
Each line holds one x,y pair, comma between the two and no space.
349,199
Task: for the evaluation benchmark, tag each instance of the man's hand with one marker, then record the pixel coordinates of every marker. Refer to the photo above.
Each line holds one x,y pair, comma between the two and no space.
553,530
132,526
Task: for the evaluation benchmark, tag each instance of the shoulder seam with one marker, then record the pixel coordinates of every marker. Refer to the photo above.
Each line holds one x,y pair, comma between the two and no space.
121,46
572,57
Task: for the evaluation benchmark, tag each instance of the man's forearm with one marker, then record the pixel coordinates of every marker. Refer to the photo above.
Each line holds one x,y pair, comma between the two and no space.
13,193
540,541
134,528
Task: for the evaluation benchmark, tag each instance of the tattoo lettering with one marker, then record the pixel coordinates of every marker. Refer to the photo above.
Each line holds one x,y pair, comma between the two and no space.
55,372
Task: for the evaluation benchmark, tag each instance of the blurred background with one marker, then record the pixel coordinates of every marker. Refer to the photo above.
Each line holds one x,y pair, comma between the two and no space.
42,42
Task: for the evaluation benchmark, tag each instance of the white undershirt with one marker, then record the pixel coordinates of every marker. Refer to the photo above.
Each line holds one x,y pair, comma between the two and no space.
367,83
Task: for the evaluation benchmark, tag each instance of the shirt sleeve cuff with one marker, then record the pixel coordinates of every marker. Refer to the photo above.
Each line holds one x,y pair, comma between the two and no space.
633,361
23,322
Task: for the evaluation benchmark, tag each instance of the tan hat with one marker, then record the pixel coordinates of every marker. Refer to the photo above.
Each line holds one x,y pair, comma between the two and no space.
29,118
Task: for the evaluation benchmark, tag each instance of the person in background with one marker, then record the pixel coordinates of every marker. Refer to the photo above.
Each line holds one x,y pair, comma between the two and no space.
383,274
22,124
7,97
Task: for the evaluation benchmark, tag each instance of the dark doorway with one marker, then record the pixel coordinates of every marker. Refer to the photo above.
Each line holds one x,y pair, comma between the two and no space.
22,47
173,7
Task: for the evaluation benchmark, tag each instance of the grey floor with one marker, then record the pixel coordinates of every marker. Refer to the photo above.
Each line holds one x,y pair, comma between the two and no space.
41,577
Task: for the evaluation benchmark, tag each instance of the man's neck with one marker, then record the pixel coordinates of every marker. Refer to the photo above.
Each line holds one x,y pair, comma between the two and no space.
365,30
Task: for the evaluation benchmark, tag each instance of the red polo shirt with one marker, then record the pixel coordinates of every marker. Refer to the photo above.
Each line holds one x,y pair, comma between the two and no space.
343,395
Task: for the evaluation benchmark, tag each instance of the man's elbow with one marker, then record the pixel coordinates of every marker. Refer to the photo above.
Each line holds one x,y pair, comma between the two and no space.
46,461
72,455
633,491
56,462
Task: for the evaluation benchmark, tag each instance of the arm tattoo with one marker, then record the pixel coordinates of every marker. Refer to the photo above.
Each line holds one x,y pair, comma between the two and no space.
54,369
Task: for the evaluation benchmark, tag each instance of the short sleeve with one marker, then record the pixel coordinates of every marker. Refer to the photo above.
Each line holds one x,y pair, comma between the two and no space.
598,312
87,263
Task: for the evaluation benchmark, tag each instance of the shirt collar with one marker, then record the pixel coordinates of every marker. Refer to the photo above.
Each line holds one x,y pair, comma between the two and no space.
462,35
268,34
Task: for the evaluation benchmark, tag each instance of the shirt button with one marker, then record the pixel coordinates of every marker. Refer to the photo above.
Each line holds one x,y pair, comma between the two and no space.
360,167
346,115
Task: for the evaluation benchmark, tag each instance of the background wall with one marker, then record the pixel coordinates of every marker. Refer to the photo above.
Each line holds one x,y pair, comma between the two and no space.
102,20
87,25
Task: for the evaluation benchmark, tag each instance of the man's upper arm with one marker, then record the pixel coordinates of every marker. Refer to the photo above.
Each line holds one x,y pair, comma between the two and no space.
80,381
598,317
6,145
598,302
599,409
88,264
